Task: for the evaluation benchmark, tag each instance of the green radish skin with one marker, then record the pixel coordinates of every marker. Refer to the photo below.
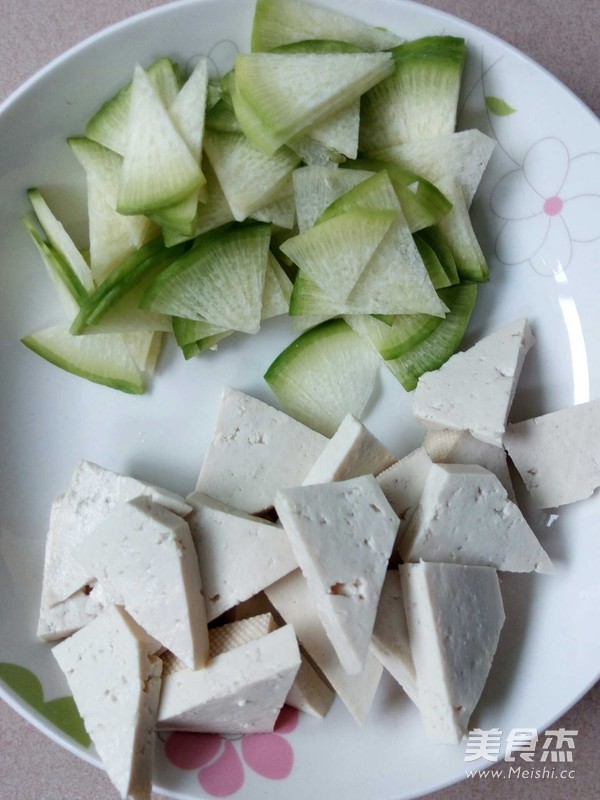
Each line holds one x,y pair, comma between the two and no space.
376,193
316,188
436,241
271,113
158,168
283,22
403,332
103,359
443,342
325,374
436,272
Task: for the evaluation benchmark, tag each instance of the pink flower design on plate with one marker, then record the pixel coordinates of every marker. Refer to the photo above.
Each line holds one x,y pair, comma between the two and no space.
550,202
217,758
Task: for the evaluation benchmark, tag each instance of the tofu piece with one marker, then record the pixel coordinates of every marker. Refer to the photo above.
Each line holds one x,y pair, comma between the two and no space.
238,554
474,389
459,447
466,517
293,601
342,534
403,482
352,451
92,494
239,691
114,673
255,450
143,555
558,454
454,615
391,643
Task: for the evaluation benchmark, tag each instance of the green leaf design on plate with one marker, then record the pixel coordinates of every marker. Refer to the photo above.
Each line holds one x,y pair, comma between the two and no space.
498,106
61,712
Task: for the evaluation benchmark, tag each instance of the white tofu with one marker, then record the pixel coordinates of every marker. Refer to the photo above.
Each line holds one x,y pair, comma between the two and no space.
113,672
255,450
466,517
403,482
342,534
454,615
391,643
459,447
239,691
143,555
351,451
309,692
293,601
558,454
474,389
238,554
93,492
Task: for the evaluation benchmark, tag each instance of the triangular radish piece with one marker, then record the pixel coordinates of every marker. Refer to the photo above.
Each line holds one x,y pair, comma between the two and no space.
335,253
337,134
112,236
278,22
342,534
158,169
316,187
249,179
390,341
465,517
286,94
239,554
325,374
376,193
141,543
220,280
277,291
474,389
145,347
454,615
117,696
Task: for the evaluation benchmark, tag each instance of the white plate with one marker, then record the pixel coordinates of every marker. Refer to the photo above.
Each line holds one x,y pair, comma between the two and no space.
538,216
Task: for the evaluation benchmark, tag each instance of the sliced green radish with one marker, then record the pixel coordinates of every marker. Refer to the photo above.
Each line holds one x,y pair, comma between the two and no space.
423,204
103,359
282,96
201,345
69,288
376,193
419,100
249,179
60,240
463,155
277,291
316,187
188,112
404,332
334,253
445,340
433,265
325,374
187,331
457,229
120,311
158,169
436,241
220,279
112,236
280,22
122,279
282,212
216,211
145,349
108,126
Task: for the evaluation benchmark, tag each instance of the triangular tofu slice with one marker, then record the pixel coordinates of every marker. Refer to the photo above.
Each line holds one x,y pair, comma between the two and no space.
114,673
255,450
91,495
403,482
342,534
474,389
351,451
558,454
454,615
239,691
239,554
292,599
158,169
465,517
143,555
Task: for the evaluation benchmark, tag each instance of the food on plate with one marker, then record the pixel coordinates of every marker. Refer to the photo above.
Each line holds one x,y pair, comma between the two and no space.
326,155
